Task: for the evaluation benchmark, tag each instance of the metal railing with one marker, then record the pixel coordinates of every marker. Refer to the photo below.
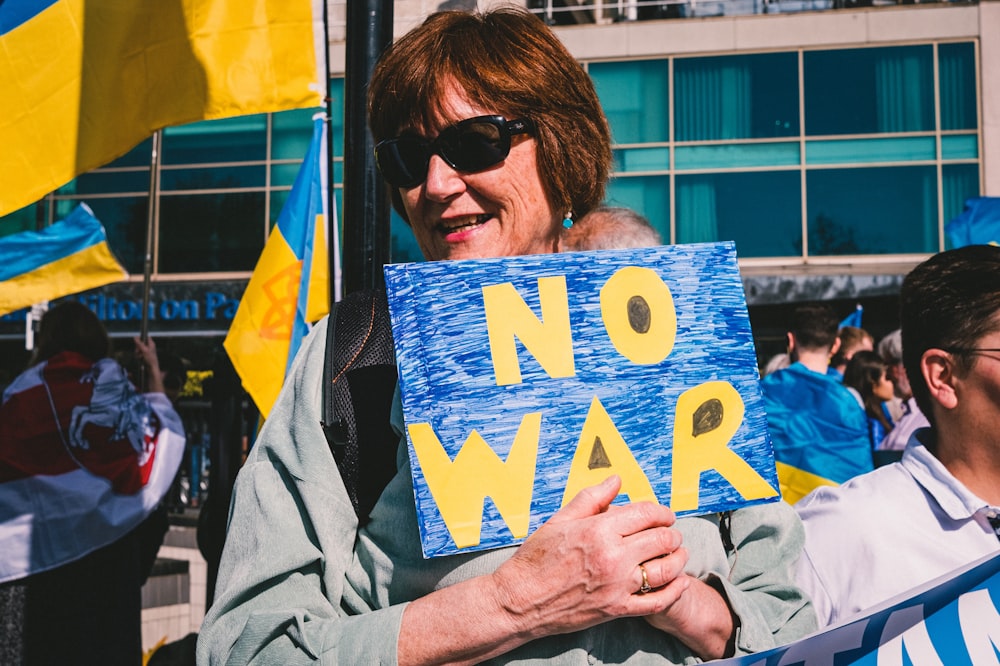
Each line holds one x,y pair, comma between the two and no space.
589,12
573,12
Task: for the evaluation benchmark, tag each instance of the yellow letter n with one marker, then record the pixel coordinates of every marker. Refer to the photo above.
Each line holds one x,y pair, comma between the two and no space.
549,340
706,419
460,488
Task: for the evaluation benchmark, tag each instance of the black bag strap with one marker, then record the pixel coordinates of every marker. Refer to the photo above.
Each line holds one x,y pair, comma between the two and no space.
359,379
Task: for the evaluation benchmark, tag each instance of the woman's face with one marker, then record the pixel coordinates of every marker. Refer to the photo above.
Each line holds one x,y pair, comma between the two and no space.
502,211
883,389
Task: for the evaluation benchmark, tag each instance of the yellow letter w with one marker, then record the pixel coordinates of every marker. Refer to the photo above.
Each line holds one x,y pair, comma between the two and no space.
460,488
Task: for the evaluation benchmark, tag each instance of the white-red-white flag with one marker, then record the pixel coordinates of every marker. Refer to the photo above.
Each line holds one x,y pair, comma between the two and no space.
84,458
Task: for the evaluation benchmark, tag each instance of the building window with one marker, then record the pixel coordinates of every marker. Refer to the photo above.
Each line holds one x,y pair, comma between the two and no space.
885,152
634,98
648,194
759,210
869,91
884,210
736,97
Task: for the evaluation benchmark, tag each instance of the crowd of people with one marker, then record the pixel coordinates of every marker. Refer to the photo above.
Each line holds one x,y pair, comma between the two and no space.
837,407
494,143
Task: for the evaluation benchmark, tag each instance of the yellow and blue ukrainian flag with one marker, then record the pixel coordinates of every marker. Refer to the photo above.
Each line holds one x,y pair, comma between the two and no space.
84,81
289,287
65,258
818,431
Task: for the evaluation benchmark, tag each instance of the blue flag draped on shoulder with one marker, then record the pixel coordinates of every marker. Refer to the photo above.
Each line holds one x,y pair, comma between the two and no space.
978,224
290,286
819,433
65,258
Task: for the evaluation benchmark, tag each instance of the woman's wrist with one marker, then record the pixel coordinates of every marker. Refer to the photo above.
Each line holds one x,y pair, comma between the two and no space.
432,632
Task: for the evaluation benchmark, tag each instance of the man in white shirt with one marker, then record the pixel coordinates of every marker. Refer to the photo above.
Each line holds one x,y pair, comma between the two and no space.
885,532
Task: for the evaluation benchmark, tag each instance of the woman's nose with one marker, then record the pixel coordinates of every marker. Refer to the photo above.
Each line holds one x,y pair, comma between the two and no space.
443,181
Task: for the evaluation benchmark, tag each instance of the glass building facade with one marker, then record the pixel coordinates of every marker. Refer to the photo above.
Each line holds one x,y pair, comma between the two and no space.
794,155
798,154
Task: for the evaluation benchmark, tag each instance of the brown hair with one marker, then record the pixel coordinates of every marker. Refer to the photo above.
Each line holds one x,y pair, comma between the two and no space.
949,301
71,326
863,372
814,326
507,61
851,338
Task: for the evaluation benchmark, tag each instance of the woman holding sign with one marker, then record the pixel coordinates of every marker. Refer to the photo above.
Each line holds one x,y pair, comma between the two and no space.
493,138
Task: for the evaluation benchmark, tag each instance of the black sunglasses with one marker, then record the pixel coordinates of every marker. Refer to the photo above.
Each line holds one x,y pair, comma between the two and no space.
472,145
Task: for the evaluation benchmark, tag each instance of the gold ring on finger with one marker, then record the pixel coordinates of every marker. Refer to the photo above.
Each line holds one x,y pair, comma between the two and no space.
645,587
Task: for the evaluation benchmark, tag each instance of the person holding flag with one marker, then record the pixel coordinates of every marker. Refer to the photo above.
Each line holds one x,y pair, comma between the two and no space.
85,460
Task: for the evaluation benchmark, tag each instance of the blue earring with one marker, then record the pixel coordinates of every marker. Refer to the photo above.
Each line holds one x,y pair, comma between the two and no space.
568,220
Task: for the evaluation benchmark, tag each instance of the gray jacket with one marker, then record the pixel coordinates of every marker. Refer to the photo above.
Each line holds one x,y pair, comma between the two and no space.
299,583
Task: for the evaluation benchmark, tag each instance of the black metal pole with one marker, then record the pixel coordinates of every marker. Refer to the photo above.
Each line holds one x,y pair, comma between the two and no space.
366,198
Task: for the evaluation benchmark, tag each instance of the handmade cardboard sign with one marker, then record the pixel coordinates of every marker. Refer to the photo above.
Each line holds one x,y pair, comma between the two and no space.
526,379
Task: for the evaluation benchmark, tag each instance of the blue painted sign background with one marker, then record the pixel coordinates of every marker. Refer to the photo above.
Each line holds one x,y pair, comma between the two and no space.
448,379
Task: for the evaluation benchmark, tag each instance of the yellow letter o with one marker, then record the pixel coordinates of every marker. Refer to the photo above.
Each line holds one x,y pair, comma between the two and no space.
639,316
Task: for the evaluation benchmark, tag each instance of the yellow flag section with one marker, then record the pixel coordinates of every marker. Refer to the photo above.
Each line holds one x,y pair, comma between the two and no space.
66,258
289,288
797,483
84,81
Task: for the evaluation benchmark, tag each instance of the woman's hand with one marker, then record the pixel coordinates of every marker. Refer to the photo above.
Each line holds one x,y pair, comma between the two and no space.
581,568
700,618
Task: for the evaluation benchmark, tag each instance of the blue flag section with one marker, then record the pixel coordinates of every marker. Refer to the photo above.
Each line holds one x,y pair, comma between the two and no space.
526,379
16,12
978,224
65,258
952,620
853,319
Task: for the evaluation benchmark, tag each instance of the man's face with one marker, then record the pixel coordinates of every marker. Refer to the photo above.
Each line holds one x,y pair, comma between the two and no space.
900,382
978,390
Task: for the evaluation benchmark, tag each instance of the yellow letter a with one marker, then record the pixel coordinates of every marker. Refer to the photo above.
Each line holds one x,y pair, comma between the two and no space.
707,417
551,342
602,452
459,488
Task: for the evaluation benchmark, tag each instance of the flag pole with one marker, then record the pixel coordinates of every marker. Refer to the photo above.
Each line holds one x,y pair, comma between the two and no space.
332,233
147,266
366,197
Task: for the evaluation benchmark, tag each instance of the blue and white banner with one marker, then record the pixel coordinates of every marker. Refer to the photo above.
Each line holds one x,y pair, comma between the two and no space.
952,620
